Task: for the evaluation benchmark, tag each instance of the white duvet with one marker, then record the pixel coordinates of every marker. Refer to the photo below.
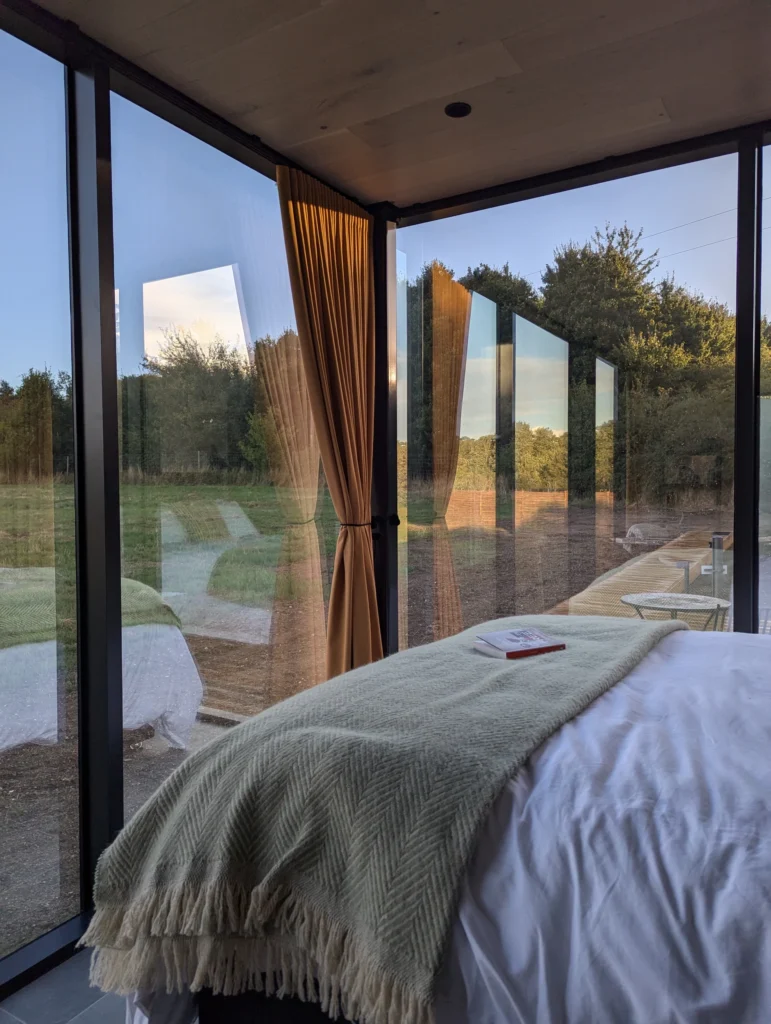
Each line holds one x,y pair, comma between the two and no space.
624,877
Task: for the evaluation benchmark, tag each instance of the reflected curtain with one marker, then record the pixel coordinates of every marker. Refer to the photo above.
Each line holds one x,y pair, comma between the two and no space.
297,627
450,315
329,251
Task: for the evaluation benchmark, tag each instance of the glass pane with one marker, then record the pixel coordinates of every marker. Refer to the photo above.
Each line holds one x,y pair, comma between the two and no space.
228,532
610,471
446,452
541,467
605,406
764,589
39,845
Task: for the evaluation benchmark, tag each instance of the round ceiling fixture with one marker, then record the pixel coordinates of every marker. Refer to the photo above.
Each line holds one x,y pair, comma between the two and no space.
458,109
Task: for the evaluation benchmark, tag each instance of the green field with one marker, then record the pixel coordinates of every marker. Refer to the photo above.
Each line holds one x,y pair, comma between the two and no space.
37,528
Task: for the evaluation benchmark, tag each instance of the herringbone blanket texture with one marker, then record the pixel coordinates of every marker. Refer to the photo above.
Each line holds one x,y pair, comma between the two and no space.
318,849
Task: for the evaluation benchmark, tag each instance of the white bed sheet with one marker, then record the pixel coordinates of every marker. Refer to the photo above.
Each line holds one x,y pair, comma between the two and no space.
161,687
625,874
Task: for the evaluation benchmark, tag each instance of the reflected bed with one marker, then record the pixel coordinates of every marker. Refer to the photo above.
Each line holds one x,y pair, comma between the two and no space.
161,684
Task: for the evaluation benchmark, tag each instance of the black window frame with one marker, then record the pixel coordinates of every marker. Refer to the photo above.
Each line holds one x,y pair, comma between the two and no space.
92,72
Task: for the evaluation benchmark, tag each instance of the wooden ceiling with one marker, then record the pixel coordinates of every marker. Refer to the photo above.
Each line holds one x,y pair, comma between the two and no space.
355,90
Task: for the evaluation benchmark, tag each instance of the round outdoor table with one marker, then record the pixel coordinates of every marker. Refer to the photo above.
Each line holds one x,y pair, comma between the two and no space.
675,604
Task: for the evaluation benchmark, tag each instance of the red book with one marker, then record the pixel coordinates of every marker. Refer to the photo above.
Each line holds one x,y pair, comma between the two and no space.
517,643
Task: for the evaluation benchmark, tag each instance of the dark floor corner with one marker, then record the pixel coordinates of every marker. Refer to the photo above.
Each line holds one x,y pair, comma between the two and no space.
63,996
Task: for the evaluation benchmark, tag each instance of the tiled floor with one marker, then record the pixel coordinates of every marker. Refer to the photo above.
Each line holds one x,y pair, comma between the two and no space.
63,996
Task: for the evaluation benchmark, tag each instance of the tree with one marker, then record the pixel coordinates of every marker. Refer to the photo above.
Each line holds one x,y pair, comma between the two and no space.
510,292
704,328
648,364
200,400
604,445
255,446
541,458
599,293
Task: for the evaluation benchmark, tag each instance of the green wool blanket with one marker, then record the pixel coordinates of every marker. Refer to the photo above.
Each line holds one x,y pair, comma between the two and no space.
28,606
318,849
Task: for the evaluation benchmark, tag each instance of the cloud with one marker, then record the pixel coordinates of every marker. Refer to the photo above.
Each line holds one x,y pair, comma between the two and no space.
206,303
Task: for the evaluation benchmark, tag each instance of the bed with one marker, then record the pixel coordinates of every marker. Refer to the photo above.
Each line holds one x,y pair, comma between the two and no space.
624,874
161,684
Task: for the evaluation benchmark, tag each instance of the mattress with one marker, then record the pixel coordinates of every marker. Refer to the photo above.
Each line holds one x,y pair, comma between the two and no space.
625,874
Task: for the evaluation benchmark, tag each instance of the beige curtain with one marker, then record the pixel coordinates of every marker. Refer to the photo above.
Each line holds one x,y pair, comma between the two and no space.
297,627
450,311
329,250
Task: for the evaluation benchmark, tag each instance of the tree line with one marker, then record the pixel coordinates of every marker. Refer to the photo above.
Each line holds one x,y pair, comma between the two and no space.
674,354
201,412
36,427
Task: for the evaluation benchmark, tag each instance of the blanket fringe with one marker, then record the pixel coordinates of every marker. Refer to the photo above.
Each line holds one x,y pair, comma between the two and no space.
233,940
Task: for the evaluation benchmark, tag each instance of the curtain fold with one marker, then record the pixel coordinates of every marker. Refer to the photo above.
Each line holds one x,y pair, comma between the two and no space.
329,251
297,625
450,315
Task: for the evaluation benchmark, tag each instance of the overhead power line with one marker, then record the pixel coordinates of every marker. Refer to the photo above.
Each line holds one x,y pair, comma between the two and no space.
675,227
704,245
698,220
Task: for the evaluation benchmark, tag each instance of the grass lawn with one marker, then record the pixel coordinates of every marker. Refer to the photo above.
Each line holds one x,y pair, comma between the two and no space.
197,511
37,528
247,575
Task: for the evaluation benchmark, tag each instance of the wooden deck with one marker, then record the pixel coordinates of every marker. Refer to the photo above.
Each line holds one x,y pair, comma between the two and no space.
654,571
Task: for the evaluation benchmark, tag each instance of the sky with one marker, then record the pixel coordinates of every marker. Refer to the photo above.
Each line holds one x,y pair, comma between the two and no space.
477,417
540,377
203,228
605,393
34,269
198,234
208,304
664,204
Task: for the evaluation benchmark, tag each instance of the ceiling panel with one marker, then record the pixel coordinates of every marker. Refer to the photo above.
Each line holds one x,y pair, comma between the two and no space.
355,90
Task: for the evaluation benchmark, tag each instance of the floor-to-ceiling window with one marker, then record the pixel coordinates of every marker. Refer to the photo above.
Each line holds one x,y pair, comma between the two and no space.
764,574
574,455
39,832
227,530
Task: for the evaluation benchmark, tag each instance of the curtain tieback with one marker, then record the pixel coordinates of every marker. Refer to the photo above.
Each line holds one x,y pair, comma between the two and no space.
313,519
377,522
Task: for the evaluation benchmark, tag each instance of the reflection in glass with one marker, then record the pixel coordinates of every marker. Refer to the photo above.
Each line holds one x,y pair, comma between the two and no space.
298,628
39,844
401,443
439,310
604,465
608,466
764,591
471,512
764,524
226,522
446,337
541,467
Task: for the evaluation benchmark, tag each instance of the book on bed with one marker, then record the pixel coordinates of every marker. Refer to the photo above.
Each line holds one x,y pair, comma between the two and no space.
517,643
